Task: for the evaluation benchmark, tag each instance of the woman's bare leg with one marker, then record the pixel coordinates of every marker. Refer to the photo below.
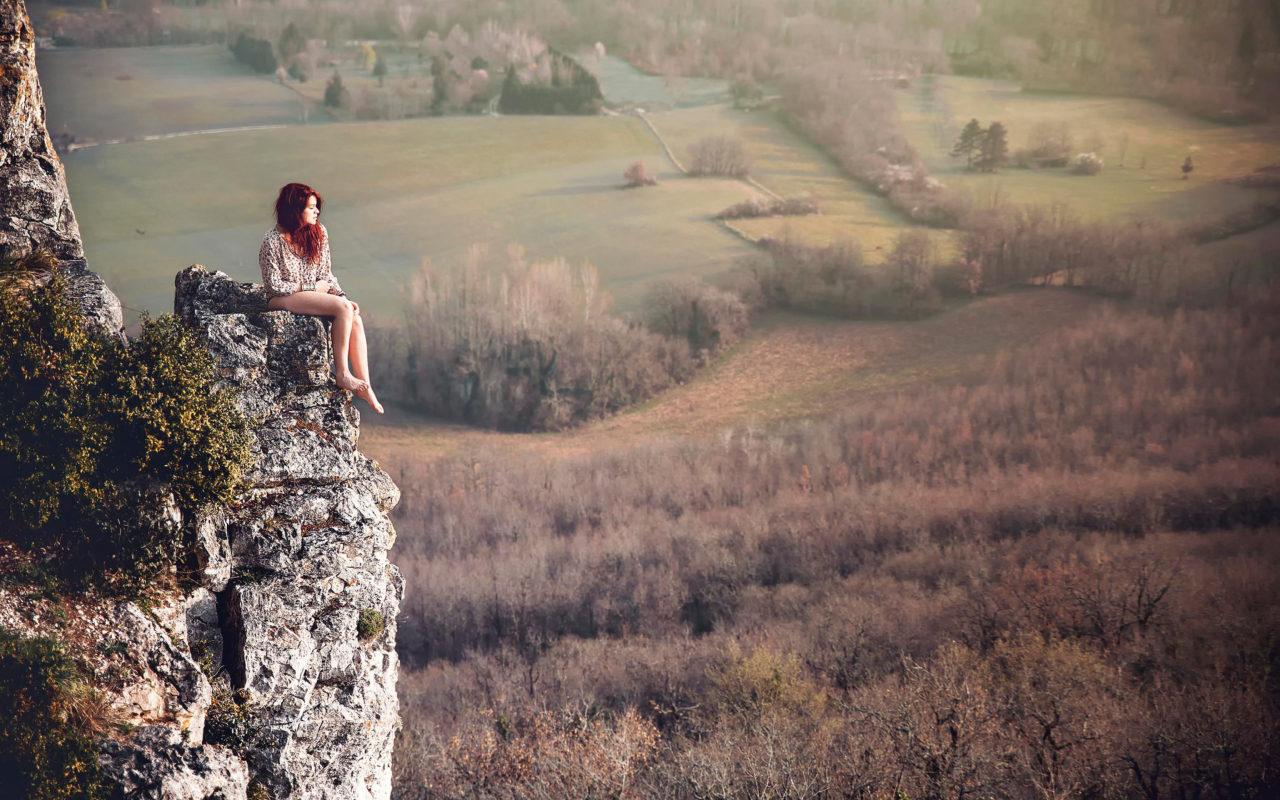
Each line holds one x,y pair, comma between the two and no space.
319,304
360,360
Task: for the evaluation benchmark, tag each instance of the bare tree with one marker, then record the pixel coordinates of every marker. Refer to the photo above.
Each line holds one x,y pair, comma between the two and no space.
719,155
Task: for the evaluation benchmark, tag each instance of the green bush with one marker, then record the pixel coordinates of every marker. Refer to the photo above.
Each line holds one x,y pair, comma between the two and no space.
370,625
46,752
99,431
232,720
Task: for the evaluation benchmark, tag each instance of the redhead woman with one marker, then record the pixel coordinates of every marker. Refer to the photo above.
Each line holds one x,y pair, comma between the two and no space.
298,277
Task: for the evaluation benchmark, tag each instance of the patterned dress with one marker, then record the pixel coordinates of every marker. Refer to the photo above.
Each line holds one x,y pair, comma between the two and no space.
284,271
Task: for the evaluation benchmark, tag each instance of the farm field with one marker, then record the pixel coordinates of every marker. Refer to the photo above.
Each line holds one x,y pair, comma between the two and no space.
789,367
623,84
125,92
789,165
147,209
935,109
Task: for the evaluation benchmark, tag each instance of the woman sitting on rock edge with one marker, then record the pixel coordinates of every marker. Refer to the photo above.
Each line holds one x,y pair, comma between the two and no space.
298,276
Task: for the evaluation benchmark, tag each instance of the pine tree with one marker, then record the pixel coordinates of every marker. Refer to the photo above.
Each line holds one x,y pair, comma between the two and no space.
969,141
379,69
993,151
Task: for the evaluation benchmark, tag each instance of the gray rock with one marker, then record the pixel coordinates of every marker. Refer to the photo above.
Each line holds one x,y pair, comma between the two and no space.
154,764
167,684
35,209
293,560
300,554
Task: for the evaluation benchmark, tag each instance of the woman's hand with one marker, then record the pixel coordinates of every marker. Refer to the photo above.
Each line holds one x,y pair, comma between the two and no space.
322,287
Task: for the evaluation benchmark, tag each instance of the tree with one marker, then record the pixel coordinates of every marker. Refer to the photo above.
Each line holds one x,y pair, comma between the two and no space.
291,43
910,263
379,69
335,94
1187,168
993,150
719,155
439,83
746,93
969,141
636,175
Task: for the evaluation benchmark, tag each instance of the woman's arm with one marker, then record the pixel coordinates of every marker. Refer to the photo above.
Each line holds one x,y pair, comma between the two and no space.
274,275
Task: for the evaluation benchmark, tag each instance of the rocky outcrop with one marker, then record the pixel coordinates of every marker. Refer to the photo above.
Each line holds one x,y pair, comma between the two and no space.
33,190
292,573
300,555
287,570
35,209
157,763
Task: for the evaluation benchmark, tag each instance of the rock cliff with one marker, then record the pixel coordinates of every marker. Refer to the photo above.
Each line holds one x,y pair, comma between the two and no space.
35,210
301,554
286,571
296,600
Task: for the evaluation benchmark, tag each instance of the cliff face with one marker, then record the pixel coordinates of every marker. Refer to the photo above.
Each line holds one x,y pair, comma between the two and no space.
35,211
297,601
287,570
300,555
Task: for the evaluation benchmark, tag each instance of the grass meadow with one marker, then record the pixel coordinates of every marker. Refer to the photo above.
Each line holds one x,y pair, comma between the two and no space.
788,164
107,94
549,184
1145,133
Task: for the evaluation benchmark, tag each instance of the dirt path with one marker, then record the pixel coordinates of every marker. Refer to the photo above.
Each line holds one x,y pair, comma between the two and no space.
790,367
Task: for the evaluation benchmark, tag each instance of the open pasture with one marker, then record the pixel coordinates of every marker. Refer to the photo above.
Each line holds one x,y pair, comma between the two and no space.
1143,144
623,84
396,193
107,94
788,164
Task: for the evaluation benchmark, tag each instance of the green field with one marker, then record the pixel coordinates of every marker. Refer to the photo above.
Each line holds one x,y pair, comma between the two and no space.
789,165
623,84
396,193
934,110
399,192
126,92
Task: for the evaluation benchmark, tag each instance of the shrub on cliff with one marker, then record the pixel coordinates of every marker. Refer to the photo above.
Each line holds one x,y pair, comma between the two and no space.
99,433
46,750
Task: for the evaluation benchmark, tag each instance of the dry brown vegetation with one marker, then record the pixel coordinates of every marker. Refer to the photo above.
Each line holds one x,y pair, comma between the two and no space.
1054,580
719,155
519,345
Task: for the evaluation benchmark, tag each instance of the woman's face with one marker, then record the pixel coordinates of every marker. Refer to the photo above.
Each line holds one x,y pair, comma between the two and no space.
311,214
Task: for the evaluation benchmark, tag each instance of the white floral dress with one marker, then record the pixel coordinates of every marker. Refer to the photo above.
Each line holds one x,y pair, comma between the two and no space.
284,271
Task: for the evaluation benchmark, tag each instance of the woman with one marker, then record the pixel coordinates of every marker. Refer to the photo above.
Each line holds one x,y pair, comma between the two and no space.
298,277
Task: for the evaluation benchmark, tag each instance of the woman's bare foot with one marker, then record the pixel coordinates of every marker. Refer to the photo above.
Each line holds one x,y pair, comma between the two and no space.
370,398
351,384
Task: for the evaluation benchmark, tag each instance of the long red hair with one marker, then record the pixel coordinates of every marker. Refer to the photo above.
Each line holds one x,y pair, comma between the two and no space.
305,239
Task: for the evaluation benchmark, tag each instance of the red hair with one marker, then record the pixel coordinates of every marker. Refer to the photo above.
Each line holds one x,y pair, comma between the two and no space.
305,239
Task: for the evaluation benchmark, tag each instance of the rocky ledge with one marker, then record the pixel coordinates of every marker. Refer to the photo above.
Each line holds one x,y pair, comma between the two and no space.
300,555
287,571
